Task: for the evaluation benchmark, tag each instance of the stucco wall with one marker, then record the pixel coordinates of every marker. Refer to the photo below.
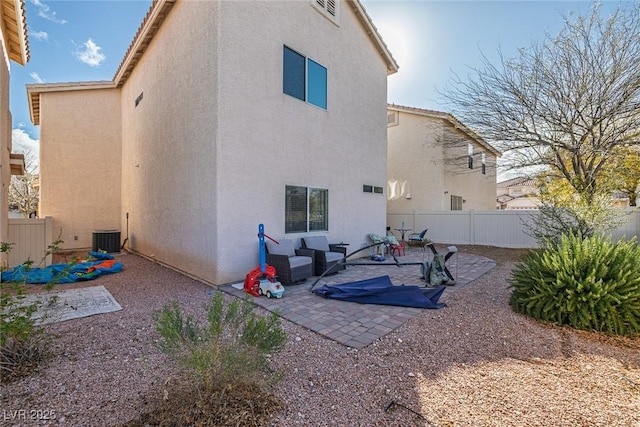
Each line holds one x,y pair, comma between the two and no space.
416,157
268,139
477,190
208,152
169,139
5,146
431,159
80,155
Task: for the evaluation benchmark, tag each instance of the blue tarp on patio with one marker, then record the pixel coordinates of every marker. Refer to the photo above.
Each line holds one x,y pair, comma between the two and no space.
380,290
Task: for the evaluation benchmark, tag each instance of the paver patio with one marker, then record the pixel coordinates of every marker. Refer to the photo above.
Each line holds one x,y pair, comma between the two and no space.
358,325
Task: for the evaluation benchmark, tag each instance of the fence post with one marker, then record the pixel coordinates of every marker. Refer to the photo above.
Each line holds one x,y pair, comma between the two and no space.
472,227
48,238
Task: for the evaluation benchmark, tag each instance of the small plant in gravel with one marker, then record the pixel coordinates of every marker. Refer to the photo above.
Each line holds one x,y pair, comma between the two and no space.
22,340
588,283
229,357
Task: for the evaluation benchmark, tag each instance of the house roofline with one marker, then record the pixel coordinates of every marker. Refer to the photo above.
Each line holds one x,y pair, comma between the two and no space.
36,89
146,32
372,31
160,9
516,181
148,29
14,21
449,118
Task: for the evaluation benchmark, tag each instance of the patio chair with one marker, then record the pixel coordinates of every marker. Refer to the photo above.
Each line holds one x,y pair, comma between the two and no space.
418,239
326,255
395,247
292,266
377,239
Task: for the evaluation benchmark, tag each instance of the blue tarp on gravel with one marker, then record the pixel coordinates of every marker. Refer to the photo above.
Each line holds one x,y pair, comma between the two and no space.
100,264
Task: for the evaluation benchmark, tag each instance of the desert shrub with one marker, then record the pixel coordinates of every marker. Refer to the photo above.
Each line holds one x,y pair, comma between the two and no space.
588,283
229,355
23,342
235,344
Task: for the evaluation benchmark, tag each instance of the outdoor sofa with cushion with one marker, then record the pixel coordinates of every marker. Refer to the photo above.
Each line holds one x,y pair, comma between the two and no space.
326,255
292,265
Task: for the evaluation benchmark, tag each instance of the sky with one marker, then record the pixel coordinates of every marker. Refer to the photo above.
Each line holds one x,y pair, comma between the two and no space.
86,40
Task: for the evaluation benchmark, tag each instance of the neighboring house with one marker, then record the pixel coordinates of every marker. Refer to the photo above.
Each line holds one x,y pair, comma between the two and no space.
436,163
517,193
223,115
15,47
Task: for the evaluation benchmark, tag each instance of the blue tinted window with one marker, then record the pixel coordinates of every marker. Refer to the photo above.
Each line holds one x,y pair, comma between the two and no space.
294,74
304,78
317,84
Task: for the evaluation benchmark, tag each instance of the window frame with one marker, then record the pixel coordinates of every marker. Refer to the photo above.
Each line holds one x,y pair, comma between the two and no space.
315,78
310,211
484,163
456,202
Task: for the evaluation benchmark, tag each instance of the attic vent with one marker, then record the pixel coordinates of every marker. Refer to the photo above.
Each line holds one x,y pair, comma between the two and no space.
331,7
328,7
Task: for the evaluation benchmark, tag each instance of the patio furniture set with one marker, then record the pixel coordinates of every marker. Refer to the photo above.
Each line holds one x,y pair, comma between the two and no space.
317,255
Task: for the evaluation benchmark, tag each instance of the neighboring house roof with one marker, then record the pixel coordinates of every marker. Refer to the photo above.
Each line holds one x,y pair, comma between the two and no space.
14,24
525,201
520,181
451,120
34,91
16,160
148,29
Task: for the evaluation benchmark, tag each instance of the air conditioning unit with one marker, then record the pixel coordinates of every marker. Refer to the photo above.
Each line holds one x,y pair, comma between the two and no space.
106,240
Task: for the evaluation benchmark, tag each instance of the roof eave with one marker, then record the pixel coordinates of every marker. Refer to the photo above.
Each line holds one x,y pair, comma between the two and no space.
147,30
15,22
17,164
449,118
36,89
372,31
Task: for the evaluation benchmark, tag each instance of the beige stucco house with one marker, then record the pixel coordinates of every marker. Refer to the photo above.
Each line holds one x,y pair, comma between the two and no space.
222,116
519,193
436,163
15,48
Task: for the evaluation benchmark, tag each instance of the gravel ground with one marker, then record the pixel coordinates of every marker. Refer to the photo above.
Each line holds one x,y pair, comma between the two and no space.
473,363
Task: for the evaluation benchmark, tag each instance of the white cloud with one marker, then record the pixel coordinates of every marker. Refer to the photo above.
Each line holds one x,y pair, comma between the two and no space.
45,12
39,35
36,77
90,54
23,143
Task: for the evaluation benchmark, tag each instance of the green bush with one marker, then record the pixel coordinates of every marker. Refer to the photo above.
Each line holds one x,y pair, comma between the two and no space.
23,343
228,356
587,283
235,346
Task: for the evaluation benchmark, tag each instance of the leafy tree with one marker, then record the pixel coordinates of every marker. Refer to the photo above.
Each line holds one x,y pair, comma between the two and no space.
565,105
625,173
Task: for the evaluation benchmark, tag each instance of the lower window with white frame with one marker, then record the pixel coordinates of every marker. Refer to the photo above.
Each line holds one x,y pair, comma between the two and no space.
456,203
306,209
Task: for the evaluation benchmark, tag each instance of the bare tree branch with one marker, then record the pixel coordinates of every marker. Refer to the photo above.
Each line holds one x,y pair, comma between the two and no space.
566,104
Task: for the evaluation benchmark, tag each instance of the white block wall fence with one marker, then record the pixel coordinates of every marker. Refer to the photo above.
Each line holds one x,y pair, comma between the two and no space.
505,229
